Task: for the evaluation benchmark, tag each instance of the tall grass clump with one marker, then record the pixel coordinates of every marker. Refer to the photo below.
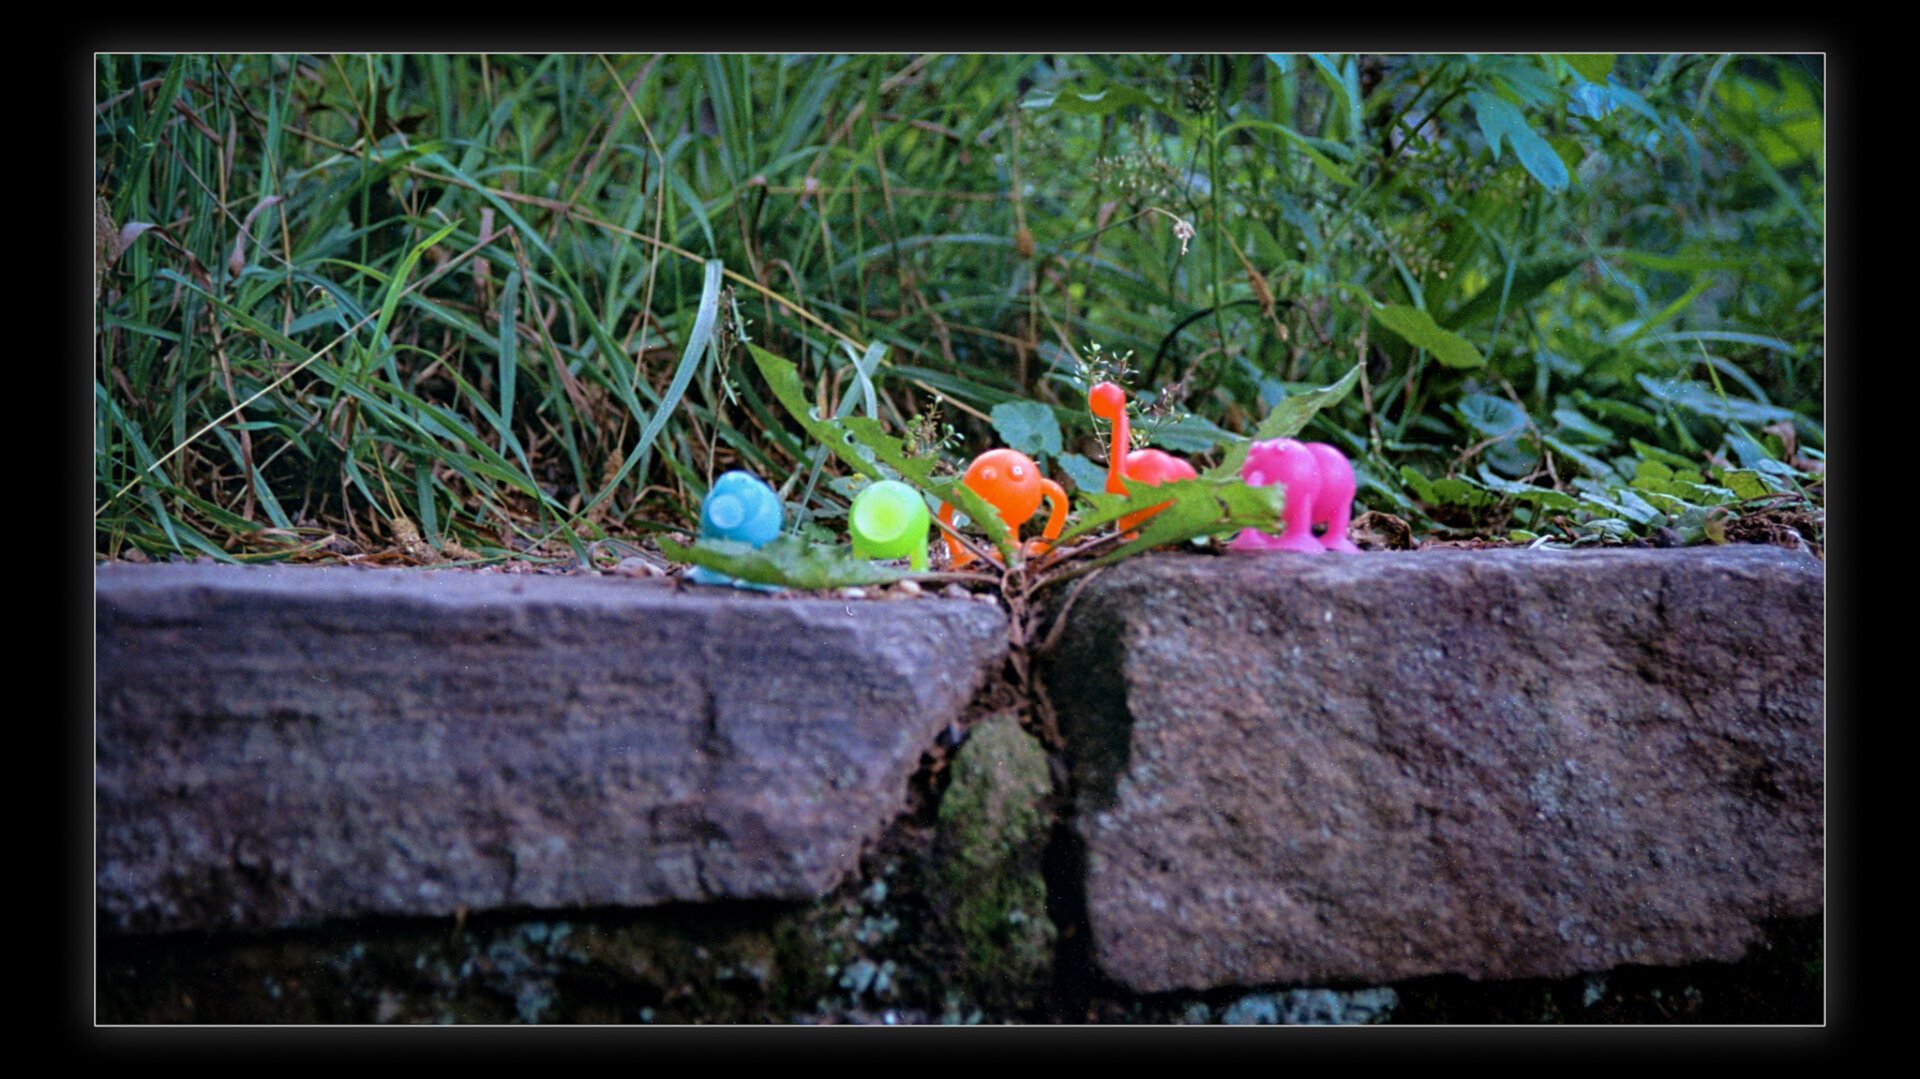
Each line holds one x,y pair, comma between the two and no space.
451,308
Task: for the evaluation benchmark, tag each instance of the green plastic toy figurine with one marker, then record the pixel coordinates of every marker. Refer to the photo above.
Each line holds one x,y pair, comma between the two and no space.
890,520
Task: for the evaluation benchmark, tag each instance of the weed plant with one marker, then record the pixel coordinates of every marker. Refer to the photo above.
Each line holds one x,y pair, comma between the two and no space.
434,308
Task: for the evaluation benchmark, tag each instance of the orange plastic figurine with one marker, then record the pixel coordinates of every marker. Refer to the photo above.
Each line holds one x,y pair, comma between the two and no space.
1012,482
1109,402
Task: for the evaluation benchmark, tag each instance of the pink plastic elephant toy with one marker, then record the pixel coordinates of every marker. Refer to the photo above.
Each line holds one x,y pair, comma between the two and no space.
1320,485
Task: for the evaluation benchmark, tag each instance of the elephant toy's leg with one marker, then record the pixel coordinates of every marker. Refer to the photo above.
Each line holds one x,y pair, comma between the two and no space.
1334,505
1252,539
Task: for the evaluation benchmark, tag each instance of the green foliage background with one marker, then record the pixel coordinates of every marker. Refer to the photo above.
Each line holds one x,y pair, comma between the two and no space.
477,306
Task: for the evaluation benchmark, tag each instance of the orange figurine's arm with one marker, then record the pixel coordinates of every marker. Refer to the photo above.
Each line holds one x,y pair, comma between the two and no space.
1056,516
957,555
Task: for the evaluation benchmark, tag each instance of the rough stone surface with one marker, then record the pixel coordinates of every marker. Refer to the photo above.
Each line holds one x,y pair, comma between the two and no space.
1503,764
279,746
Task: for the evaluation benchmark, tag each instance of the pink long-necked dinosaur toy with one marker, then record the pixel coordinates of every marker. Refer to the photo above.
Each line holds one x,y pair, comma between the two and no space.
1320,486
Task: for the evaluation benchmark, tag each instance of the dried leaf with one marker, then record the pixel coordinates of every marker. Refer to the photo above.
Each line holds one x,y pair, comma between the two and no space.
129,232
238,260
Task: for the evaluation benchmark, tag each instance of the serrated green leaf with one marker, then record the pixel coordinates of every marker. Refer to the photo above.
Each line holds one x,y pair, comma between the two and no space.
1203,506
1221,497
787,562
1653,475
864,445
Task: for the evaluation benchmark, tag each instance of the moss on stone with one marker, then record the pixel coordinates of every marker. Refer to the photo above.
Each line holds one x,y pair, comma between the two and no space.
992,836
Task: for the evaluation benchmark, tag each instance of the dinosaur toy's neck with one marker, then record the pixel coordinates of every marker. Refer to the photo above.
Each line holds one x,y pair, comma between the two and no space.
1109,402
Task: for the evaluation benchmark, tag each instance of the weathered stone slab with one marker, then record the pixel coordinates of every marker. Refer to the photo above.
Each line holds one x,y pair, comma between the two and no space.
1308,770
278,746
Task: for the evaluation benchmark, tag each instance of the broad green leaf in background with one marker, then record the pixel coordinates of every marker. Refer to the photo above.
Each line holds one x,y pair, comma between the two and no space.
1502,121
1111,99
1418,329
1320,161
1086,475
1027,426
1704,401
1497,418
1545,497
1590,66
1447,490
1745,483
1287,419
1188,434
1530,279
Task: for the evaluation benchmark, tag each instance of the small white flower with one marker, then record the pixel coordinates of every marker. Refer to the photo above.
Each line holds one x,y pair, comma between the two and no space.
1183,230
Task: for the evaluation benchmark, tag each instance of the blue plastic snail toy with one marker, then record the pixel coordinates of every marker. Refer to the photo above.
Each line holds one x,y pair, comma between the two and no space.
742,508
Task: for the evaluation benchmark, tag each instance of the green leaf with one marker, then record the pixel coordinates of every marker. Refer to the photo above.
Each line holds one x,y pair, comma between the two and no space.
1745,483
1592,67
1305,145
1287,419
1418,329
1731,336
1502,121
1683,262
1655,453
1545,497
1204,506
1188,434
864,446
398,284
1086,475
787,562
1447,490
698,340
1530,279
1706,401
1492,415
1573,422
1110,100
1027,426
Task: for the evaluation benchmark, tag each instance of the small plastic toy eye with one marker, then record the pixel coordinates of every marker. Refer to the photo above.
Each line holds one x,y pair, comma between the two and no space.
989,475
1016,472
